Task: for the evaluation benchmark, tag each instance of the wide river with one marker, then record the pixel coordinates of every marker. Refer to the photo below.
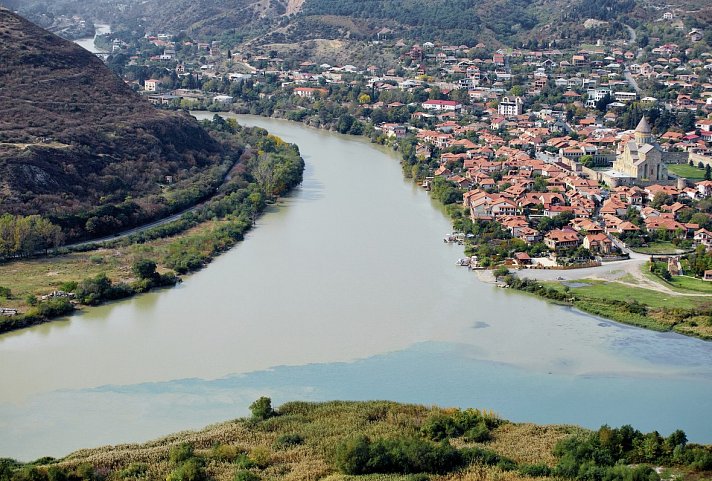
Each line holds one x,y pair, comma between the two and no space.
344,290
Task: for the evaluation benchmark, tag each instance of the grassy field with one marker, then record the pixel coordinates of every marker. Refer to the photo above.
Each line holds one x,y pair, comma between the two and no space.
661,248
663,312
596,289
40,276
691,284
687,171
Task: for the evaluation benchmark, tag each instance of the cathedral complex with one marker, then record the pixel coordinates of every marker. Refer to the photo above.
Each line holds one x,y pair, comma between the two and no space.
641,157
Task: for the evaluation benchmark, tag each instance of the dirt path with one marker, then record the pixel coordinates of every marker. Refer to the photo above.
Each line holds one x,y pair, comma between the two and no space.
294,6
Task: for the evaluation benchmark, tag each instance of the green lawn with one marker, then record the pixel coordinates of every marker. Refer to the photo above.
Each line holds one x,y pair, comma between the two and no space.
620,292
691,284
687,171
661,248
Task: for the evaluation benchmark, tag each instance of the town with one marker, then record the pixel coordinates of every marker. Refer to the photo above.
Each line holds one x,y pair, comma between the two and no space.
580,154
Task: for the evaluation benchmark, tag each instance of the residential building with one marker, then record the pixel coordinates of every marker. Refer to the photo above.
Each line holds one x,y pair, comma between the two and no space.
510,107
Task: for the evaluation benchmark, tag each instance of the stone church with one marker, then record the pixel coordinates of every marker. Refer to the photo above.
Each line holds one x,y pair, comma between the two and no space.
641,157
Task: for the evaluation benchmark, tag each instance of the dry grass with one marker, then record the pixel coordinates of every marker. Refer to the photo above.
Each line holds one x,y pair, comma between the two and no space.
322,426
42,275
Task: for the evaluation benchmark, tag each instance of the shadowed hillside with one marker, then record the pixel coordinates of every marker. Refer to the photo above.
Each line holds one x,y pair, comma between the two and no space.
74,137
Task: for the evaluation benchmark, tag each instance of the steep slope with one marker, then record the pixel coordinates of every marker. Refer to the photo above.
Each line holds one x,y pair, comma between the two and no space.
75,138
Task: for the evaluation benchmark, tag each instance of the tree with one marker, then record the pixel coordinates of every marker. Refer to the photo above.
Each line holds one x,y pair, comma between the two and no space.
262,408
144,269
586,160
708,172
602,104
364,99
660,198
501,271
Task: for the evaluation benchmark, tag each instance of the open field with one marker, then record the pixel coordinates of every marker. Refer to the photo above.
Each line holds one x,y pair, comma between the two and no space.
42,275
687,171
661,248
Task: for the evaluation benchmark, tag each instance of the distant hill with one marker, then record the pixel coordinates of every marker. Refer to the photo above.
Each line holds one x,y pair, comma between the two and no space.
76,140
286,21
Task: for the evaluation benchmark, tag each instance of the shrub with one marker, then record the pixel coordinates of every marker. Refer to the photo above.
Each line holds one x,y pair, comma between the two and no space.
262,408
69,286
191,470
181,453
360,455
478,434
5,292
244,462
134,471
144,269
288,440
260,457
244,475
225,453
535,470
440,426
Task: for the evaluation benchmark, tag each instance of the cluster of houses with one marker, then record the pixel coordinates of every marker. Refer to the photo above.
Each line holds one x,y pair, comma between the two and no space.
517,158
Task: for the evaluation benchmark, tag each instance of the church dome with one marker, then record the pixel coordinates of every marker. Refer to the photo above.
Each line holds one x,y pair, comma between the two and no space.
643,126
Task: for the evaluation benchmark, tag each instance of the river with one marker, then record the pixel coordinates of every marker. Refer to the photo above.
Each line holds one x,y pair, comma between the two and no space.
88,42
344,290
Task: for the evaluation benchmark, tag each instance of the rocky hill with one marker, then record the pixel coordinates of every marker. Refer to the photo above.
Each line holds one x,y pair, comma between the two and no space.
75,139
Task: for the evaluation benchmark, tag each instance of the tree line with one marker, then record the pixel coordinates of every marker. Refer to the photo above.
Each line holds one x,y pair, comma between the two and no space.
23,236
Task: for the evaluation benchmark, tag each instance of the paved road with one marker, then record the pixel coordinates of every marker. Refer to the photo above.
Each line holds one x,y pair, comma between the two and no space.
151,225
631,81
633,35
130,232
632,42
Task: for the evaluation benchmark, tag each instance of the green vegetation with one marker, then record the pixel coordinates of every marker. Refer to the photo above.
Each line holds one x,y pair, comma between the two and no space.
265,172
262,408
360,455
595,289
688,171
660,248
690,284
379,440
605,454
651,309
26,236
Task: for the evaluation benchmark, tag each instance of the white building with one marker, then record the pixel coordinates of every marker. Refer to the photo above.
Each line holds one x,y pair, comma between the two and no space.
151,85
511,107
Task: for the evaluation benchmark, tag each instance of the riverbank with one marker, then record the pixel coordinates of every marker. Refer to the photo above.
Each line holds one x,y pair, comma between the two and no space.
636,305
40,289
340,440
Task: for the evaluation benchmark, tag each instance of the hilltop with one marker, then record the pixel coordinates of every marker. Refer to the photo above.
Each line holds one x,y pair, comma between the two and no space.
76,142
381,440
508,22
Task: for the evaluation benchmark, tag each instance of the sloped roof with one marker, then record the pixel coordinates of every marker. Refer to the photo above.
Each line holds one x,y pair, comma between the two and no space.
643,126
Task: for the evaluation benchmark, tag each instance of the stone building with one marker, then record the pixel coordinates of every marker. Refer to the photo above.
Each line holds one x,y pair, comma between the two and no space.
641,158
